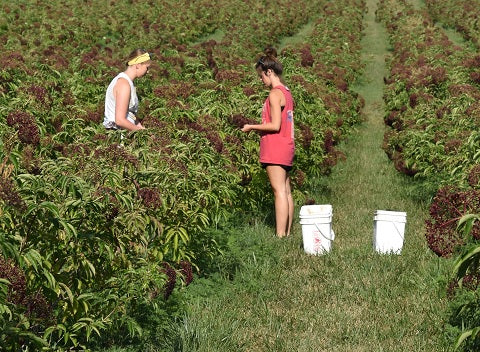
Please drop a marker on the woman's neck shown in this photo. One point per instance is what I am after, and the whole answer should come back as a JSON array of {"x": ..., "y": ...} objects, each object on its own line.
[
  {"x": 276, "y": 82},
  {"x": 130, "y": 72}
]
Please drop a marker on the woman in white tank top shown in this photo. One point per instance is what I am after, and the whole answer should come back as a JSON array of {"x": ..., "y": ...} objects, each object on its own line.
[{"x": 121, "y": 101}]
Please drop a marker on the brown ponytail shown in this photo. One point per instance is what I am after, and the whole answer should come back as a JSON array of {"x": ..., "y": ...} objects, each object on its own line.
[{"x": 269, "y": 61}]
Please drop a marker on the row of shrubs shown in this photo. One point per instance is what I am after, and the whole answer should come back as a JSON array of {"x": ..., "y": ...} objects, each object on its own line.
[{"x": 432, "y": 94}]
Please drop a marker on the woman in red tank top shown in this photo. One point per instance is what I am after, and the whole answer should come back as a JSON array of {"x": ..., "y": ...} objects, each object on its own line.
[{"x": 277, "y": 146}]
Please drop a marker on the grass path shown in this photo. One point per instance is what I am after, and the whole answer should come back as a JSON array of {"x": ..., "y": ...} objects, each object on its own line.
[{"x": 351, "y": 299}]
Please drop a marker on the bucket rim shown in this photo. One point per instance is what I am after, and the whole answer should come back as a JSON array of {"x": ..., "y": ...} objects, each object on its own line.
[
  {"x": 315, "y": 209},
  {"x": 390, "y": 219},
  {"x": 390, "y": 213}
]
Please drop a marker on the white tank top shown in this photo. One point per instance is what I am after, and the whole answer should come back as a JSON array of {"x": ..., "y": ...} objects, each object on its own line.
[{"x": 109, "y": 119}]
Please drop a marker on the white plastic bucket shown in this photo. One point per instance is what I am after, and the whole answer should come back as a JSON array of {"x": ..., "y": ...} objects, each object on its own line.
[
  {"x": 389, "y": 231},
  {"x": 317, "y": 233}
]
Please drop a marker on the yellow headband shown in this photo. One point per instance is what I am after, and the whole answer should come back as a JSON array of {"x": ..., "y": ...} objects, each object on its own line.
[{"x": 139, "y": 59}]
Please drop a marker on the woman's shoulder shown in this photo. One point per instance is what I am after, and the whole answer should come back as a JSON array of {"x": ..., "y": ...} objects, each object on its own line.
[
  {"x": 123, "y": 79},
  {"x": 278, "y": 90},
  {"x": 123, "y": 82}
]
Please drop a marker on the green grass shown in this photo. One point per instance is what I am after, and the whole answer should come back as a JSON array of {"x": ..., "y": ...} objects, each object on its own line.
[
  {"x": 351, "y": 299},
  {"x": 305, "y": 31},
  {"x": 217, "y": 35}
]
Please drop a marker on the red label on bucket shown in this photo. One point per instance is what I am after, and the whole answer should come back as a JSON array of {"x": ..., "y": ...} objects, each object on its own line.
[{"x": 317, "y": 242}]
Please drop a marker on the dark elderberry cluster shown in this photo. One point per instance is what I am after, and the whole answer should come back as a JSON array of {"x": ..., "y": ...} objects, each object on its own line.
[
  {"x": 401, "y": 166},
  {"x": 9, "y": 194},
  {"x": 12, "y": 60},
  {"x": 452, "y": 145},
  {"x": 95, "y": 115},
  {"x": 72, "y": 150},
  {"x": 212, "y": 64},
  {"x": 152, "y": 122},
  {"x": 328, "y": 141},
  {"x": 34, "y": 304},
  {"x": 231, "y": 76},
  {"x": 332, "y": 155},
  {"x": 340, "y": 79},
  {"x": 248, "y": 91},
  {"x": 306, "y": 135},
  {"x": 448, "y": 206},
  {"x": 442, "y": 111},
  {"x": 30, "y": 162},
  {"x": 474, "y": 176},
  {"x": 475, "y": 76},
  {"x": 116, "y": 153},
  {"x": 457, "y": 90},
  {"x": 175, "y": 90},
  {"x": 473, "y": 62},
  {"x": 171, "y": 280},
  {"x": 107, "y": 194},
  {"x": 24, "y": 123},
  {"x": 240, "y": 120},
  {"x": 470, "y": 282},
  {"x": 186, "y": 270},
  {"x": 308, "y": 86},
  {"x": 246, "y": 179},
  {"x": 333, "y": 103},
  {"x": 90, "y": 58},
  {"x": 394, "y": 120},
  {"x": 233, "y": 140},
  {"x": 415, "y": 98},
  {"x": 55, "y": 55},
  {"x": 208, "y": 129},
  {"x": 150, "y": 197},
  {"x": 40, "y": 94},
  {"x": 17, "y": 286},
  {"x": 307, "y": 59},
  {"x": 300, "y": 178}
]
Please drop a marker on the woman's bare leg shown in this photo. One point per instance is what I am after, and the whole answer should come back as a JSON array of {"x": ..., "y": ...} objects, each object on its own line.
[
  {"x": 280, "y": 183},
  {"x": 290, "y": 205}
]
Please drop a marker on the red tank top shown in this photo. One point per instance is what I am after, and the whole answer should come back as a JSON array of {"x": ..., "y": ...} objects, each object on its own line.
[{"x": 279, "y": 147}]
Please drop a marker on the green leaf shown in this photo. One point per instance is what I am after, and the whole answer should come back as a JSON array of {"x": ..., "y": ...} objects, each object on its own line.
[
  {"x": 467, "y": 221},
  {"x": 32, "y": 337},
  {"x": 466, "y": 260},
  {"x": 32, "y": 259},
  {"x": 51, "y": 207},
  {"x": 59, "y": 328},
  {"x": 4, "y": 309},
  {"x": 68, "y": 291},
  {"x": 52, "y": 283},
  {"x": 69, "y": 229},
  {"x": 465, "y": 335}
]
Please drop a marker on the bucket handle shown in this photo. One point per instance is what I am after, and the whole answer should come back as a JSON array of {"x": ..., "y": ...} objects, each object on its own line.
[
  {"x": 321, "y": 232},
  {"x": 396, "y": 228},
  {"x": 398, "y": 231}
]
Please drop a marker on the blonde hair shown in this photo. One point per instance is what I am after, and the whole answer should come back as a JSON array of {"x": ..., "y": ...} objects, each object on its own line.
[{"x": 134, "y": 54}]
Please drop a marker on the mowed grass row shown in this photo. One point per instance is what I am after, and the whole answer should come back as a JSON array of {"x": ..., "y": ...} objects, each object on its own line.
[{"x": 351, "y": 299}]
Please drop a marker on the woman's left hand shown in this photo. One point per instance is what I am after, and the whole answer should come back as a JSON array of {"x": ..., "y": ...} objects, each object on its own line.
[{"x": 246, "y": 128}]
